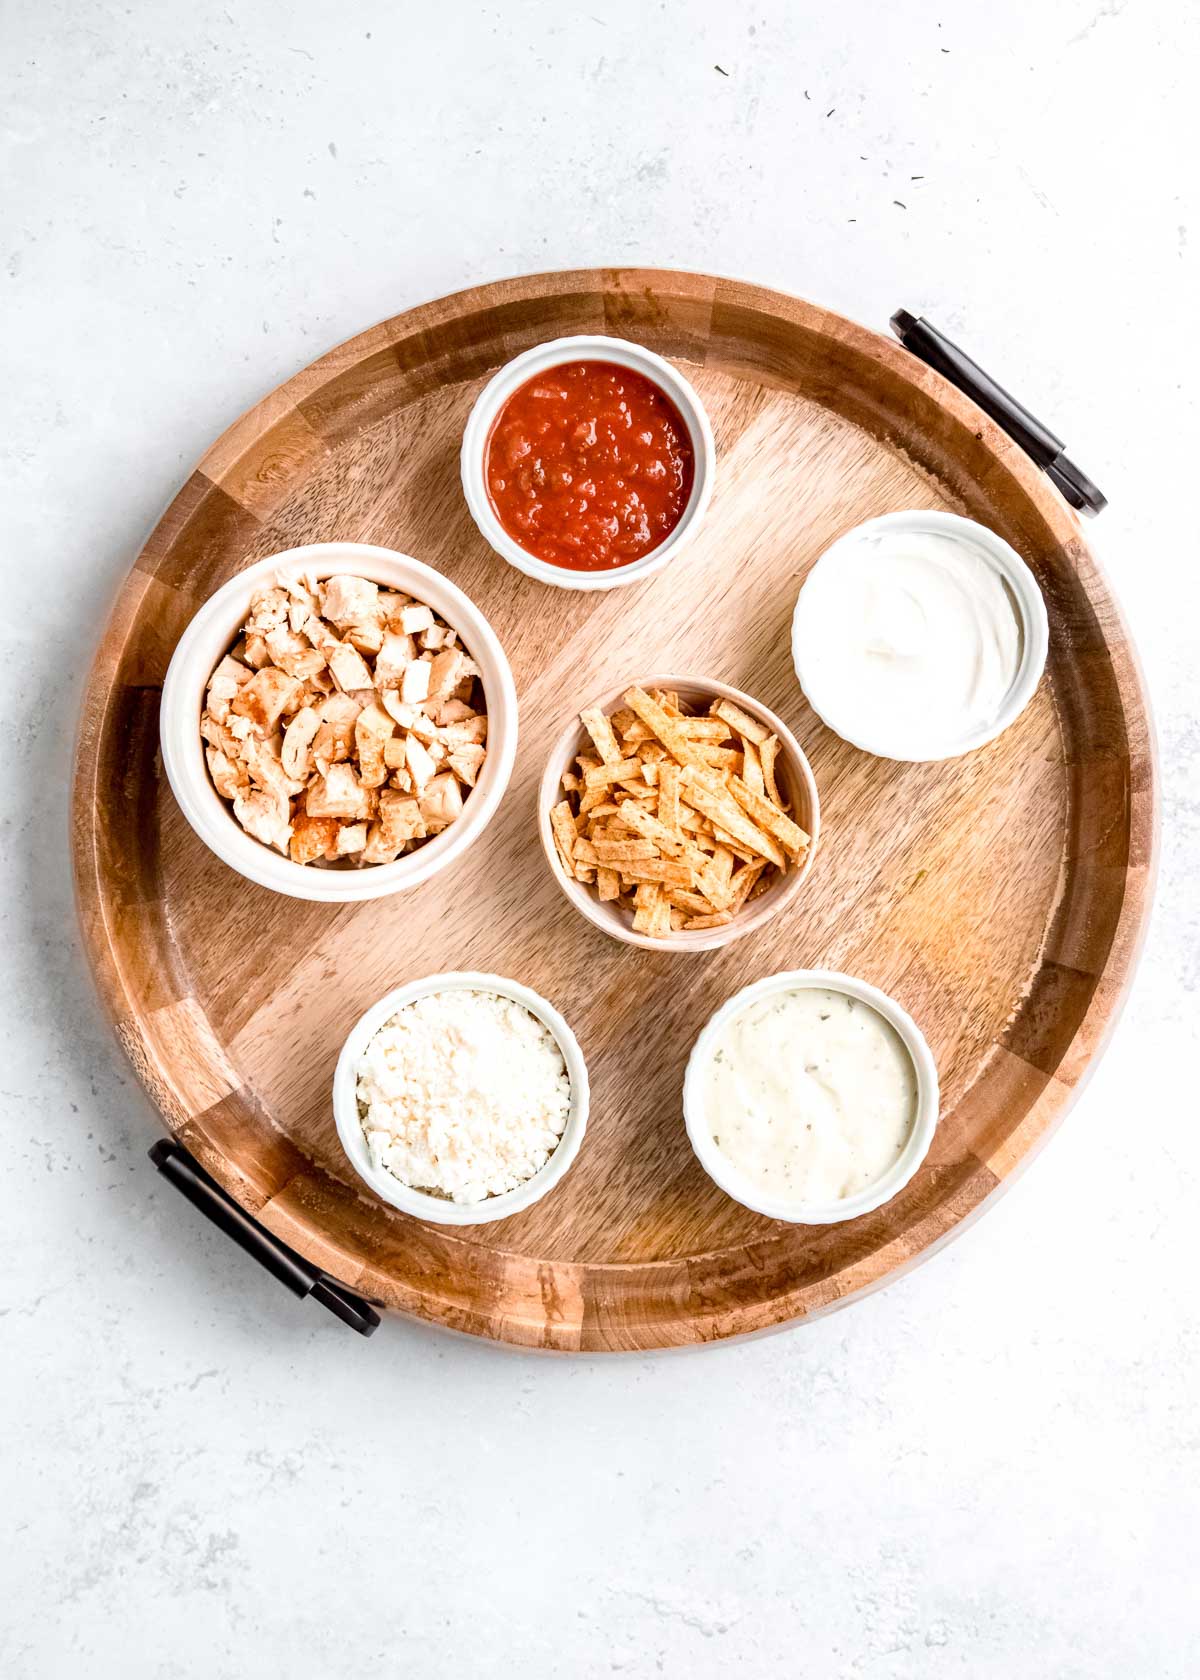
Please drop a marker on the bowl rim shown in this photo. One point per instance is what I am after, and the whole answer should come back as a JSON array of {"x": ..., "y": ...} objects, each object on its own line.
[
  {"x": 552, "y": 353},
  {"x": 726, "y": 1176},
  {"x": 418, "y": 1203},
  {"x": 1035, "y": 633},
  {"x": 701, "y": 939},
  {"x": 213, "y": 627}
]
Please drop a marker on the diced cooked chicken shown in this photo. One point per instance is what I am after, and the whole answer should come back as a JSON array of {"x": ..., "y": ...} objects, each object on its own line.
[
  {"x": 415, "y": 618},
  {"x": 395, "y": 655},
  {"x": 267, "y": 609},
  {"x": 337, "y": 793},
  {"x": 405, "y": 715},
  {"x": 418, "y": 762},
  {"x": 264, "y": 697},
  {"x": 373, "y": 728},
  {"x": 266, "y": 768},
  {"x": 298, "y": 738},
  {"x": 293, "y": 653},
  {"x": 451, "y": 711},
  {"x": 349, "y": 600},
  {"x": 367, "y": 638},
  {"x": 229, "y": 777},
  {"x": 400, "y": 818},
  {"x": 349, "y": 669},
  {"x": 414, "y": 684},
  {"x": 312, "y": 837},
  {"x": 265, "y": 816},
  {"x": 471, "y": 731},
  {"x": 444, "y": 672},
  {"x": 341, "y": 726},
  {"x": 377, "y": 849},
  {"x": 351, "y": 838},
  {"x": 466, "y": 763},
  {"x": 441, "y": 802},
  {"x": 319, "y": 633}
]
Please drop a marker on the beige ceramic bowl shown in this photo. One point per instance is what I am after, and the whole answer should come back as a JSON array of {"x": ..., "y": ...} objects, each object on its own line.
[{"x": 795, "y": 781}]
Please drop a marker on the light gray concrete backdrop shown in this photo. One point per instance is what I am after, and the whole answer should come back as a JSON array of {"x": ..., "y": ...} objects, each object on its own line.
[{"x": 989, "y": 1469}]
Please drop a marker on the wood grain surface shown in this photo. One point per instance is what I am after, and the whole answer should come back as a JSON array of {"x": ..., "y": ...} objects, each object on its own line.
[{"x": 999, "y": 897}]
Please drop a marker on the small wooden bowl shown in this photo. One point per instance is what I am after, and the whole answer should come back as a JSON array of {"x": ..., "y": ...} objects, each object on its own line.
[{"x": 792, "y": 773}]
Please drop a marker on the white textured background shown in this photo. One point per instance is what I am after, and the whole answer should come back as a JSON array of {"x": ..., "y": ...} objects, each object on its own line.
[{"x": 990, "y": 1469}]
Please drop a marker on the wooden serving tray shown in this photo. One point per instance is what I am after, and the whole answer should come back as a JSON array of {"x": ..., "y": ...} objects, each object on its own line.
[{"x": 999, "y": 897}]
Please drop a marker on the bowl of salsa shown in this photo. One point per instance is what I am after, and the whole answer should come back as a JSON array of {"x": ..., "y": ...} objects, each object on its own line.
[{"x": 588, "y": 462}]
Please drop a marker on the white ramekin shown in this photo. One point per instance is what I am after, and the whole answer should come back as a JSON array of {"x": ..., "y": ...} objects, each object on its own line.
[
  {"x": 1030, "y": 605},
  {"x": 734, "y": 1184},
  {"x": 213, "y": 631},
  {"x": 791, "y": 768},
  {"x": 589, "y": 348},
  {"x": 437, "y": 1209}
]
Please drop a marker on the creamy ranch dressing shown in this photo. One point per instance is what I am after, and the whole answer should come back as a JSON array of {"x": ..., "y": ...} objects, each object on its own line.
[
  {"x": 911, "y": 638},
  {"x": 810, "y": 1094}
]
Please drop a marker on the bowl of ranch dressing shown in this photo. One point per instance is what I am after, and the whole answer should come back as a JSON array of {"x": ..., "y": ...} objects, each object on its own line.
[
  {"x": 811, "y": 1096},
  {"x": 919, "y": 636}
]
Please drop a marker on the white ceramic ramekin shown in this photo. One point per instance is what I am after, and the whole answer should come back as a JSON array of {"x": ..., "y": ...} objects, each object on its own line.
[
  {"x": 438, "y": 1209},
  {"x": 590, "y": 348},
  {"x": 1026, "y": 594},
  {"x": 792, "y": 772},
  {"x": 212, "y": 633},
  {"x": 724, "y": 1173}
]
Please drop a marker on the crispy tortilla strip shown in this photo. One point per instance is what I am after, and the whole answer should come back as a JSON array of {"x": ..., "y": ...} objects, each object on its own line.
[
  {"x": 693, "y": 902},
  {"x": 701, "y": 789},
  {"x": 723, "y": 759},
  {"x": 608, "y": 884},
  {"x": 601, "y": 731},
  {"x": 719, "y": 918},
  {"x": 677, "y": 845},
  {"x": 586, "y": 873},
  {"x": 735, "y": 846},
  {"x": 768, "y": 752},
  {"x": 660, "y": 918},
  {"x": 604, "y": 775},
  {"x": 650, "y": 774},
  {"x": 623, "y": 720},
  {"x": 714, "y": 882},
  {"x": 589, "y": 798},
  {"x": 746, "y": 879},
  {"x": 664, "y": 726},
  {"x": 621, "y": 851},
  {"x": 747, "y": 727},
  {"x": 661, "y": 871},
  {"x": 562, "y": 824},
  {"x": 714, "y": 731},
  {"x": 668, "y": 796},
  {"x": 752, "y": 772},
  {"x": 646, "y": 900},
  {"x": 789, "y": 834},
  {"x": 583, "y": 851}
]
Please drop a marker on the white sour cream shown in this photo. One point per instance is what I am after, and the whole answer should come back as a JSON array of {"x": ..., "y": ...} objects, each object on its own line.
[
  {"x": 908, "y": 641},
  {"x": 810, "y": 1095}
]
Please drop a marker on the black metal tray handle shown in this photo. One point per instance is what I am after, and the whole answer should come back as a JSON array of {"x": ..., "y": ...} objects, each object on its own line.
[
  {"x": 295, "y": 1273},
  {"x": 1038, "y": 441}
]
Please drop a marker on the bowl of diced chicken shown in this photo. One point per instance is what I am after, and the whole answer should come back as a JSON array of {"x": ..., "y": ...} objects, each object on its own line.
[{"x": 338, "y": 722}]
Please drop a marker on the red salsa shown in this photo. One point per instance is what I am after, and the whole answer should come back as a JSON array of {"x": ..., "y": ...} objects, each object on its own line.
[{"x": 589, "y": 466}]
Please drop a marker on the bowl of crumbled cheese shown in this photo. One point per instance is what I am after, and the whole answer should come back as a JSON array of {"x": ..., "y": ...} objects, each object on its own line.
[{"x": 461, "y": 1098}]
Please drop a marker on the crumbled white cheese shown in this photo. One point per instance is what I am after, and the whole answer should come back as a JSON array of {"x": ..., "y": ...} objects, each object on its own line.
[{"x": 465, "y": 1094}]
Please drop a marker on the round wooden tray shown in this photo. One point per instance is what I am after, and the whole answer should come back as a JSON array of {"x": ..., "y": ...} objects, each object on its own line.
[{"x": 999, "y": 897}]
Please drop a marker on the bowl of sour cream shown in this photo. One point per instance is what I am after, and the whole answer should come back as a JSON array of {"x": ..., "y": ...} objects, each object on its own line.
[
  {"x": 919, "y": 636},
  {"x": 811, "y": 1096}
]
